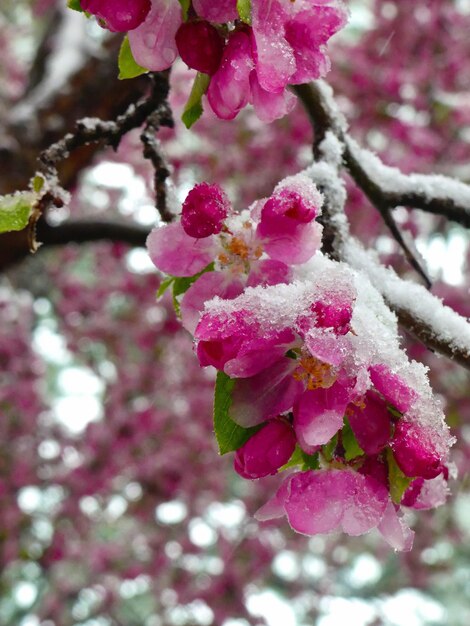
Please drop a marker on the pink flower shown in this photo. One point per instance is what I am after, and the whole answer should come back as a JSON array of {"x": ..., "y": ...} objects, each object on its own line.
[
  {"x": 287, "y": 225},
  {"x": 235, "y": 345},
  {"x": 118, "y": 15},
  {"x": 266, "y": 451},
  {"x": 290, "y": 39},
  {"x": 210, "y": 232},
  {"x": 204, "y": 211},
  {"x": 322, "y": 501}
]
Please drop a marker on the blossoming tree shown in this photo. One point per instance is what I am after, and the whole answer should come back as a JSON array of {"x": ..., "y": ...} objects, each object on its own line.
[{"x": 284, "y": 241}]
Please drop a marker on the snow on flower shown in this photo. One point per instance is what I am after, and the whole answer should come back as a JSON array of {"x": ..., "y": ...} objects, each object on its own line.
[
  {"x": 247, "y": 249},
  {"x": 314, "y": 362},
  {"x": 324, "y": 355}
]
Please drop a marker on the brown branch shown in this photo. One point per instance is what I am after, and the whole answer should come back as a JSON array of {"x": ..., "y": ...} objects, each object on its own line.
[
  {"x": 153, "y": 152},
  {"x": 79, "y": 232},
  {"x": 422, "y": 332},
  {"x": 94, "y": 130},
  {"x": 82, "y": 231}
]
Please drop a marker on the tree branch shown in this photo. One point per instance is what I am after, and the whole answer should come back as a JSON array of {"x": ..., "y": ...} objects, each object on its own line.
[
  {"x": 90, "y": 231},
  {"x": 420, "y": 313},
  {"x": 386, "y": 187}
]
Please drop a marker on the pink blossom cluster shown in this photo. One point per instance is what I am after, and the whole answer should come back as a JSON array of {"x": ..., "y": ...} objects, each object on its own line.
[
  {"x": 250, "y": 57},
  {"x": 315, "y": 359},
  {"x": 232, "y": 251}
]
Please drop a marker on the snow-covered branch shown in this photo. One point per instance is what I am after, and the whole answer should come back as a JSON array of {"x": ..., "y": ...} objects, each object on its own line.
[
  {"x": 420, "y": 312},
  {"x": 386, "y": 187}
]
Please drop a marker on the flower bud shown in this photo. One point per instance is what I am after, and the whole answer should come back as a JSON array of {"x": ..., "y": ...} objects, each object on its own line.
[
  {"x": 204, "y": 210},
  {"x": 118, "y": 15},
  {"x": 414, "y": 451},
  {"x": 268, "y": 450},
  {"x": 200, "y": 46}
]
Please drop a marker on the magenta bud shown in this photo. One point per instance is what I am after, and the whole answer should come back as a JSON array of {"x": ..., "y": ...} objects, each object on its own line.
[
  {"x": 200, "y": 46},
  {"x": 268, "y": 450},
  {"x": 118, "y": 15},
  {"x": 204, "y": 210},
  {"x": 414, "y": 451}
]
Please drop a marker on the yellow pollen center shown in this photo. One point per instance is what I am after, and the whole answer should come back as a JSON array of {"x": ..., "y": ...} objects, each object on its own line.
[
  {"x": 315, "y": 373},
  {"x": 238, "y": 247}
]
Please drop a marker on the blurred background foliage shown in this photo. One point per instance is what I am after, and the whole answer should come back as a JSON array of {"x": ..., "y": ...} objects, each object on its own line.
[{"x": 115, "y": 508}]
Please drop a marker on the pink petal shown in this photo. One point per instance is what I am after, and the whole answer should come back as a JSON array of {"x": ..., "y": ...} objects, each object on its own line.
[
  {"x": 269, "y": 272},
  {"x": 307, "y": 33},
  {"x": 321, "y": 501},
  {"x": 256, "y": 356},
  {"x": 229, "y": 89},
  {"x": 269, "y": 105},
  {"x": 365, "y": 502},
  {"x": 205, "y": 288},
  {"x": 426, "y": 494},
  {"x": 173, "y": 252},
  {"x": 220, "y": 11},
  {"x": 414, "y": 450},
  {"x": 295, "y": 247},
  {"x": 153, "y": 42},
  {"x": 274, "y": 507},
  {"x": 395, "y": 531},
  {"x": 393, "y": 388},
  {"x": 274, "y": 56},
  {"x": 371, "y": 423},
  {"x": 233, "y": 343},
  {"x": 315, "y": 503},
  {"x": 326, "y": 346},
  {"x": 265, "y": 395},
  {"x": 318, "y": 415}
]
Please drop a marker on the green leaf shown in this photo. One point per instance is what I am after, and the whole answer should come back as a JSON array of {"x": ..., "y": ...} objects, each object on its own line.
[
  {"x": 38, "y": 183},
  {"x": 244, "y": 10},
  {"x": 15, "y": 210},
  {"x": 193, "y": 109},
  {"x": 183, "y": 283},
  {"x": 164, "y": 285},
  {"x": 230, "y": 436},
  {"x": 398, "y": 482},
  {"x": 329, "y": 449},
  {"x": 351, "y": 447},
  {"x": 310, "y": 461},
  {"x": 74, "y": 5},
  {"x": 296, "y": 459},
  {"x": 128, "y": 66},
  {"x": 185, "y": 4},
  {"x": 302, "y": 459}
]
